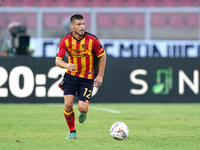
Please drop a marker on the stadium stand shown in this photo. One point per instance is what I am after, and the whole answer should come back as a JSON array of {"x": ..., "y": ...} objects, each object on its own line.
[
  {"x": 65, "y": 16},
  {"x": 27, "y": 3},
  {"x": 116, "y": 3},
  {"x": 80, "y": 3},
  {"x": 187, "y": 3},
  {"x": 192, "y": 20},
  {"x": 169, "y": 3},
  {"x": 87, "y": 18},
  {"x": 46, "y": 3},
  {"x": 15, "y": 17},
  {"x": 30, "y": 20},
  {"x": 61, "y": 3},
  {"x": 105, "y": 20},
  {"x": 151, "y": 3},
  {"x": 158, "y": 20},
  {"x": 122, "y": 20},
  {"x": 9, "y": 3},
  {"x": 176, "y": 20},
  {"x": 134, "y": 3},
  {"x": 138, "y": 20},
  {"x": 198, "y": 2},
  {"x": 51, "y": 20},
  {"x": 98, "y": 3},
  {"x": 3, "y": 21}
]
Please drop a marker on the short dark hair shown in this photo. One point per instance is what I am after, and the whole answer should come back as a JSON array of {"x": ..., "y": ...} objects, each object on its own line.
[{"x": 76, "y": 17}]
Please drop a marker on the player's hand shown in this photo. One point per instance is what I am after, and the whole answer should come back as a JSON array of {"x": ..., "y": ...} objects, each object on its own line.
[
  {"x": 71, "y": 67},
  {"x": 98, "y": 81}
]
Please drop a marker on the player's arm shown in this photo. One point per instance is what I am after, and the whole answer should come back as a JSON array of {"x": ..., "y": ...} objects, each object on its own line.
[
  {"x": 102, "y": 64},
  {"x": 100, "y": 52},
  {"x": 60, "y": 55},
  {"x": 60, "y": 63}
]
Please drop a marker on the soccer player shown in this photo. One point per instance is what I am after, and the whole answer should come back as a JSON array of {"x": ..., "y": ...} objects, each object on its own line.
[{"x": 86, "y": 56}]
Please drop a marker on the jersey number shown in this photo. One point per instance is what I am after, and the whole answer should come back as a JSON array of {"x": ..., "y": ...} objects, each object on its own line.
[{"x": 86, "y": 91}]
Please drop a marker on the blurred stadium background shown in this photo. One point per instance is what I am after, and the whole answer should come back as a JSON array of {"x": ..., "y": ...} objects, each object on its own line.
[{"x": 121, "y": 19}]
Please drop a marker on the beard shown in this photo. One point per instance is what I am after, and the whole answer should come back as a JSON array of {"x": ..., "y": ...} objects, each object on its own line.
[{"x": 80, "y": 33}]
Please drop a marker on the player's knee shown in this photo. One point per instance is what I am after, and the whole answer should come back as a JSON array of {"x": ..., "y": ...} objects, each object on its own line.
[
  {"x": 68, "y": 105},
  {"x": 83, "y": 108}
]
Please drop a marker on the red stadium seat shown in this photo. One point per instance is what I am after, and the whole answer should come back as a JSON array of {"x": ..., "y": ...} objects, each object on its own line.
[
  {"x": 122, "y": 20},
  {"x": 31, "y": 20},
  {"x": 139, "y": 20},
  {"x": 98, "y": 3},
  {"x": 65, "y": 19},
  {"x": 134, "y": 3},
  {"x": 3, "y": 21},
  {"x": 176, "y": 20},
  {"x": 158, "y": 20},
  {"x": 116, "y": 3},
  {"x": 169, "y": 3},
  {"x": 87, "y": 18},
  {"x": 46, "y": 3},
  {"x": 80, "y": 3},
  {"x": 51, "y": 20},
  {"x": 62, "y": 3},
  {"x": 198, "y": 2},
  {"x": 187, "y": 3},
  {"x": 104, "y": 20},
  {"x": 27, "y": 3},
  {"x": 9, "y": 3},
  {"x": 192, "y": 20},
  {"x": 151, "y": 3},
  {"x": 15, "y": 17},
  {"x": 65, "y": 16}
]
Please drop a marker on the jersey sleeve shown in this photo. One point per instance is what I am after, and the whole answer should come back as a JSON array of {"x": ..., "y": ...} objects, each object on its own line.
[
  {"x": 61, "y": 49},
  {"x": 98, "y": 48}
]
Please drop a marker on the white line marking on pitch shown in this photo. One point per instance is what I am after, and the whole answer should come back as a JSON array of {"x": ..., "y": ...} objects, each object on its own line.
[
  {"x": 94, "y": 108},
  {"x": 106, "y": 109},
  {"x": 150, "y": 112}
]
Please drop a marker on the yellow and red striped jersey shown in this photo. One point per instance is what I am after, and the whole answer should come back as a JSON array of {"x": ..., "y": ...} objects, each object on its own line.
[{"x": 81, "y": 53}]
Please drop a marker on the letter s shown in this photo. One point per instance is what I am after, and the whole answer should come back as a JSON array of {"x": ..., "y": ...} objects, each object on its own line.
[{"x": 138, "y": 81}]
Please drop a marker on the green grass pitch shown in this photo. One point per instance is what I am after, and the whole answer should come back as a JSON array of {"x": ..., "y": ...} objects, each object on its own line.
[{"x": 151, "y": 127}]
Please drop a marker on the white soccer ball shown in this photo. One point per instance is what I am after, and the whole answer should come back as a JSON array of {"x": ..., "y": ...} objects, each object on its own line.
[{"x": 119, "y": 131}]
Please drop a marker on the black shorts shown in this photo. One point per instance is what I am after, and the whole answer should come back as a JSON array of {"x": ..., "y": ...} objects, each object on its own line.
[{"x": 72, "y": 85}]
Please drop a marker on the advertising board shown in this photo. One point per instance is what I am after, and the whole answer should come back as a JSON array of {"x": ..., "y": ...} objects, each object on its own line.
[{"x": 133, "y": 80}]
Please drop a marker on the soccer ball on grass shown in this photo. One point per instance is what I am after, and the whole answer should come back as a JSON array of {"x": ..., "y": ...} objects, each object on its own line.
[{"x": 119, "y": 131}]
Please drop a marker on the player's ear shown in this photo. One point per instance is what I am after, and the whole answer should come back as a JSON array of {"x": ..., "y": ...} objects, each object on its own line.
[{"x": 71, "y": 26}]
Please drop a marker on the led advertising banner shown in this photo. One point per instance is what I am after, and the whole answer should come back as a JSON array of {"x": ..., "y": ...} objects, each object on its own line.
[
  {"x": 161, "y": 80},
  {"x": 127, "y": 48},
  {"x": 126, "y": 80},
  {"x": 25, "y": 79}
]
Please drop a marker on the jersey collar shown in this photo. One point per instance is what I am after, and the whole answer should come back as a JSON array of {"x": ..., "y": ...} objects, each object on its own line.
[{"x": 77, "y": 39}]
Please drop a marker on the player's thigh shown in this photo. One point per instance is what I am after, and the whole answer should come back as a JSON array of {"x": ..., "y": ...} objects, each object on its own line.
[{"x": 85, "y": 90}]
